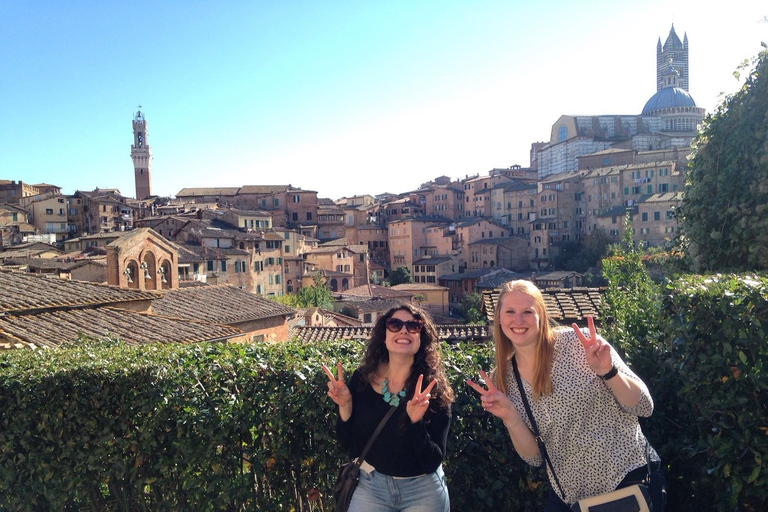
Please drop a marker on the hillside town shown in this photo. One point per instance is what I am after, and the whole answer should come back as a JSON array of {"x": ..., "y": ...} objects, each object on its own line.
[{"x": 216, "y": 255}]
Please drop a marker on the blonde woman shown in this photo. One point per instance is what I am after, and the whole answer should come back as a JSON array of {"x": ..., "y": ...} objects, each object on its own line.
[{"x": 584, "y": 399}]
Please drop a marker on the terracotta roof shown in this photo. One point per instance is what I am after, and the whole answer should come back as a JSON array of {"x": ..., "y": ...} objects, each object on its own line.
[
  {"x": 564, "y": 305},
  {"x": 54, "y": 328},
  {"x": 265, "y": 189},
  {"x": 375, "y": 290},
  {"x": 24, "y": 293},
  {"x": 49, "y": 263},
  {"x": 449, "y": 333},
  {"x": 25, "y": 253},
  {"x": 211, "y": 191},
  {"x": 373, "y": 304},
  {"x": 223, "y": 304},
  {"x": 418, "y": 286},
  {"x": 496, "y": 278},
  {"x": 434, "y": 260}
]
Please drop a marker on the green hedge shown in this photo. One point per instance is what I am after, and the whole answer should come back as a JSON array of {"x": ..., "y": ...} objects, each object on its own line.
[
  {"x": 711, "y": 392},
  {"x": 103, "y": 426}
]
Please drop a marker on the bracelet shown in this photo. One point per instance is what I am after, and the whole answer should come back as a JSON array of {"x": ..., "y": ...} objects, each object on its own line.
[
  {"x": 611, "y": 373},
  {"x": 519, "y": 419}
]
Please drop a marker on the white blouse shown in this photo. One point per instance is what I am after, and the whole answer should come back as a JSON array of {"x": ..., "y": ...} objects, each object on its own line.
[{"x": 592, "y": 439}]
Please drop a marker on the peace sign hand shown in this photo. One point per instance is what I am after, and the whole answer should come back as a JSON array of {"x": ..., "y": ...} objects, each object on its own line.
[
  {"x": 339, "y": 392},
  {"x": 495, "y": 402},
  {"x": 598, "y": 350},
  {"x": 418, "y": 405}
]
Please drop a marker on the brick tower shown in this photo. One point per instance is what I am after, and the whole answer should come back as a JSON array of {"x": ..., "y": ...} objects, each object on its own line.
[{"x": 141, "y": 154}]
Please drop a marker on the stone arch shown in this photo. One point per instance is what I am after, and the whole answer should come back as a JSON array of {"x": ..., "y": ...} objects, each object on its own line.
[
  {"x": 334, "y": 285},
  {"x": 131, "y": 274},
  {"x": 149, "y": 272},
  {"x": 165, "y": 275}
]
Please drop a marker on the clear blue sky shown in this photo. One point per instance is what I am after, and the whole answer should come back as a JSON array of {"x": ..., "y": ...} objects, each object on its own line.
[{"x": 341, "y": 97}]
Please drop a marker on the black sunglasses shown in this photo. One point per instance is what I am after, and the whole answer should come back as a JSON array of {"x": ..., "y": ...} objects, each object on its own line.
[{"x": 412, "y": 326}]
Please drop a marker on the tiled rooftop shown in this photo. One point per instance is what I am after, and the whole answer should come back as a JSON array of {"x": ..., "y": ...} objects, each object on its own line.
[
  {"x": 221, "y": 304},
  {"x": 375, "y": 290},
  {"x": 373, "y": 305},
  {"x": 53, "y": 328},
  {"x": 449, "y": 333},
  {"x": 49, "y": 263},
  {"x": 23, "y": 292},
  {"x": 564, "y": 305}
]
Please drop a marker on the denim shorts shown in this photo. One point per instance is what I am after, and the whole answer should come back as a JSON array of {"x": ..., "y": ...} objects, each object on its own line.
[{"x": 382, "y": 493}]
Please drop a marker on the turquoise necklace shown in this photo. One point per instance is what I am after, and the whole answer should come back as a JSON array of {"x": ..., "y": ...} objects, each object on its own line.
[{"x": 391, "y": 399}]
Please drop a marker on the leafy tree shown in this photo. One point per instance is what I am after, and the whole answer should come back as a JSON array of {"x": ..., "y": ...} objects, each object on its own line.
[
  {"x": 316, "y": 296},
  {"x": 400, "y": 275},
  {"x": 470, "y": 308},
  {"x": 725, "y": 209},
  {"x": 632, "y": 302}
]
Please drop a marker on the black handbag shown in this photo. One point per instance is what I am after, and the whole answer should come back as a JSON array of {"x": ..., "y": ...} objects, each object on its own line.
[
  {"x": 634, "y": 498},
  {"x": 349, "y": 473}
]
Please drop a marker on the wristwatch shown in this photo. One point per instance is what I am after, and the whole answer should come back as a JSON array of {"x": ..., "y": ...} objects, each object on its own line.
[{"x": 611, "y": 373}]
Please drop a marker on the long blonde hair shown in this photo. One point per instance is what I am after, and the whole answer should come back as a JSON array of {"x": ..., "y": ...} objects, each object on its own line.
[{"x": 542, "y": 384}]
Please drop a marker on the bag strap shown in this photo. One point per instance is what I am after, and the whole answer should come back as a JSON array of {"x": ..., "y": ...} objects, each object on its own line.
[
  {"x": 375, "y": 434},
  {"x": 536, "y": 434}
]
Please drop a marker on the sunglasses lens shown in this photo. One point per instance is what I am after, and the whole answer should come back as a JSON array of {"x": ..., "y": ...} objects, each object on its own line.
[
  {"x": 413, "y": 326},
  {"x": 395, "y": 324}
]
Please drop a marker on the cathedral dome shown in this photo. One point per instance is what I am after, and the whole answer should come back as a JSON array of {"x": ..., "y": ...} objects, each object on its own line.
[{"x": 669, "y": 97}]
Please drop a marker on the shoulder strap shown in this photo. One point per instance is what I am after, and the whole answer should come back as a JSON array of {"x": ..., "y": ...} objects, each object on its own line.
[
  {"x": 375, "y": 434},
  {"x": 539, "y": 440}
]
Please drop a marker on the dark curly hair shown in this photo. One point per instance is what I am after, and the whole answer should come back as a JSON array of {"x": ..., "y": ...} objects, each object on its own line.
[{"x": 426, "y": 361}]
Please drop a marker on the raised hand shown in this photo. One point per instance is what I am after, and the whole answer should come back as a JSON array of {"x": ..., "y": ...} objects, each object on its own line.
[
  {"x": 339, "y": 392},
  {"x": 597, "y": 349},
  {"x": 495, "y": 402},
  {"x": 418, "y": 405}
]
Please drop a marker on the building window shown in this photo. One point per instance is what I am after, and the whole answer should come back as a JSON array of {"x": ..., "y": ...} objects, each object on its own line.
[
  {"x": 224, "y": 266},
  {"x": 210, "y": 266},
  {"x": 656, "y": 215}
]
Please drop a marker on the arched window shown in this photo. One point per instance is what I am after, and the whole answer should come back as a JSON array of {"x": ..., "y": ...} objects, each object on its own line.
[{"x": 562, "y": 133}]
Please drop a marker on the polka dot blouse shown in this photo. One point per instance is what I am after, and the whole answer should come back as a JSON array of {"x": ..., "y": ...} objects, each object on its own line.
[{"x": 592, "y": 440}]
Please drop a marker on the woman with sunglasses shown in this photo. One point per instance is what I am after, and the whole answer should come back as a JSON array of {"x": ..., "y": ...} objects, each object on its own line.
[{"x": 401, "y": 368}]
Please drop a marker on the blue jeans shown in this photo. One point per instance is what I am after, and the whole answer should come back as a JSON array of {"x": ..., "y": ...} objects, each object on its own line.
[{"x": 381, "y": 493}]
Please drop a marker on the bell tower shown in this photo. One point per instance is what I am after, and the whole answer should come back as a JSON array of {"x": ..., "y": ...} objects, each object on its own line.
[{"x": 141, "y": 154}]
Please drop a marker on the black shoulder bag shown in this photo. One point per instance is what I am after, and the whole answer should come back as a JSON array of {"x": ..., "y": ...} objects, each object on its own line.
[
  {"x": 634, "y": 498},
  {"x": 349, "y": 473}
]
